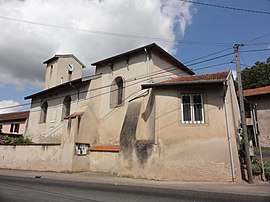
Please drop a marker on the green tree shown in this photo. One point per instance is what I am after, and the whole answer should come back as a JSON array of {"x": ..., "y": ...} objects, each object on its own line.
[{"x": 256, "y": 76}]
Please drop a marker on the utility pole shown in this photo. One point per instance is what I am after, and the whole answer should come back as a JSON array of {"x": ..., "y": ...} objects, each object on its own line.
[{"x": 242, "y": 113}]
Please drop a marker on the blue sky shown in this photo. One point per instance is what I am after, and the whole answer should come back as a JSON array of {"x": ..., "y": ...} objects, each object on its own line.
[
  {"x": 26, "y": 46},
  {"x": 228, "y": 26}
]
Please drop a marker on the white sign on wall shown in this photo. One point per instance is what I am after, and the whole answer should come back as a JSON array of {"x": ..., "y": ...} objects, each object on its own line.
[{"x": 81, "y": 149}]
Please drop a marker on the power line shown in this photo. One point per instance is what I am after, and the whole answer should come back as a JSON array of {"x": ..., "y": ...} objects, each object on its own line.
[
  {"x": 257, "y": 44},
  {"x": 226, "y": 7},
  {"x": 14, "y": 106},
  {"x": 114, "y": 34},
  {"x": 259, "y": 37},
  {"x": 137, "y": 78},
  {"x": 161, "y": 71},
  {"x": 225, "y": 55},
  {"x": 256, "y": 50},
  {"x": 205, "y": 56},
  {"x": 242, "y": 64},
  {"x": 169, "y": 69},
  {"x": 130, "y": 80},
  {"x": 207, "y": 67},
  {"x": 245, "y": 43}
]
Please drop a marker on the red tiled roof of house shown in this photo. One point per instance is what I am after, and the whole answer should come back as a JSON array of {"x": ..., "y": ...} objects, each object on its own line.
[
  {"x": 105, "y": 148},
  {"x": 14, "y": 116},
  {"x": 219, "y": 76},
  {"x": 257, "y": 91},
  {"x": 73, "y": 115}
]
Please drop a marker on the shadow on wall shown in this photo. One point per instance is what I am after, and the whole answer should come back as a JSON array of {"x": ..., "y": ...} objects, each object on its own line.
[
  {"x": 144, "y": 149},
  {"x": 128, "y": 141}
]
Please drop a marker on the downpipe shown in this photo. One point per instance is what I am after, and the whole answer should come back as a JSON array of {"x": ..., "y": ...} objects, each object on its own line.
[{"x": 228, "y": 133}]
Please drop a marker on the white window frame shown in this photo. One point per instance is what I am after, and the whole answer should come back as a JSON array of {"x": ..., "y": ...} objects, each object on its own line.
[
  {"x": 192, "y": 121},
  {"x": 13, "y": 127}
]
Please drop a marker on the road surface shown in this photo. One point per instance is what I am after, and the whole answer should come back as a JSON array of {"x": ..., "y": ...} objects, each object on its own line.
[{"x": 41, "y": 189}]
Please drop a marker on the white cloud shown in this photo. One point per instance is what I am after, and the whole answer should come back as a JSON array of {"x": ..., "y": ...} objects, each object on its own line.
[
  {"x": 5, "y": 104},
  {"x": 23, "y": 47}
]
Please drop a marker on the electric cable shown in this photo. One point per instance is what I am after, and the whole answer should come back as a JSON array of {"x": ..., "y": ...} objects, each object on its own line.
[
  {"x": 225, "y": 55},
  {"x": 130, "y": 80},
  {"x": 256, "y": 50},
  {"x": 205, "y": 56},
  {"x": 226, "y": 7},
  {"x": 114, "y": 34}
]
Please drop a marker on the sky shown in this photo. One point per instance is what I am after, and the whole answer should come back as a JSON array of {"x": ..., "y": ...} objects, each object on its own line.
[{"x": 33, "y": 31}]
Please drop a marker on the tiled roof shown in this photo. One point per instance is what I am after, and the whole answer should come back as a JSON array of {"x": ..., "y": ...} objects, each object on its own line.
[
  {"x": 257, "y": 91},
  {"x": 105, "y": 148},
  {"x": 14, "y": 116},
  {"x": 219, "y": 76},
  {"x": 74, "y": 115}
]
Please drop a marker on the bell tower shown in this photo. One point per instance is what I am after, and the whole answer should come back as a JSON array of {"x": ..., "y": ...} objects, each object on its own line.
[{"x": 61, "y": 69}]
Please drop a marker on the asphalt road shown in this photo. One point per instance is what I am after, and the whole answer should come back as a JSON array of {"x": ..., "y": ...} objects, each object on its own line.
[{"x": 40, "y": 189}]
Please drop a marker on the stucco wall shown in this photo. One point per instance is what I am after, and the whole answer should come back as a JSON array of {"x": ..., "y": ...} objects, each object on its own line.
[
  {"x": 194, "y": 151},
  {"x": 134, "y": 72},
  {"x": 162, "y": 69},
  {"x": 155, "y": 144},
  {"x": 32, "y": 157},
  {"x": 48, "y": 157},
  {"x": 263, "y": 117},
  {"x": 51, "y": 130},
  {"x": 186, "y": 152},
  {"x": 263, "y": 113},
  {"x": 107, "y": 162}
]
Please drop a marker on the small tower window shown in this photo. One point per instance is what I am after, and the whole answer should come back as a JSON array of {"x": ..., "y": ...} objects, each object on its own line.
[
  {"x": 43, "y": 113},
  {"x": 117, "y": 93},
  {"x": 66, "y": 106}
]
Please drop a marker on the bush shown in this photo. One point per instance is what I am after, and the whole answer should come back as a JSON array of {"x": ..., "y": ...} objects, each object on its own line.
[
  {"x": 256, "y": 167},
  {"x": 22, "y": 140},
  {"x": 6, "y": 139},
  {"x": 267, "y": 170}
]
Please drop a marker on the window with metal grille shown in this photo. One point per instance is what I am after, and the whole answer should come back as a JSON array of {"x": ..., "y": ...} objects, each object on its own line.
[{"x": 192, "y": 108}]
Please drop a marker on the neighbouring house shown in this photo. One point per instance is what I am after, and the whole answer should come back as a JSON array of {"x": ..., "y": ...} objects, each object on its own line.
[
  {"x": 143, "y": 114},
  {"x": 14, "y": 123},
  {"x": 257, "y": 106}
]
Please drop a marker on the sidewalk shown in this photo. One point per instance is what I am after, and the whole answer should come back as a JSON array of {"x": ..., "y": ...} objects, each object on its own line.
[{"x": 243, "y": 188}]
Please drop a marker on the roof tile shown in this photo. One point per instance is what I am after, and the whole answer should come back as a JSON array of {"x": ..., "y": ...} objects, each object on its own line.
[
  {"x": 105, "y": 148},
  {"x": 219, "y": 76},
  {"x": 257, "y": 91},
  {"x": 14, "y": 116}
]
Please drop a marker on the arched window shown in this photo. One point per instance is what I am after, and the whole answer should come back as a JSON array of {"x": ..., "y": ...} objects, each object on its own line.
[
  {"x": 43, "y": 113},
  {"x": 117, "y": 93},
  {"x": 66, "y": 106}
]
